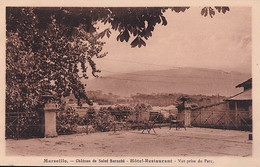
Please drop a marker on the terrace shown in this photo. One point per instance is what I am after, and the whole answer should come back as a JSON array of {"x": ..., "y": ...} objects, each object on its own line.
[{"x": 193, "y": 142}]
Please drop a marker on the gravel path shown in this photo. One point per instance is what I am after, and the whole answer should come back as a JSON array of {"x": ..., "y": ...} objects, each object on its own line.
[{"x": 193, "y": 142}]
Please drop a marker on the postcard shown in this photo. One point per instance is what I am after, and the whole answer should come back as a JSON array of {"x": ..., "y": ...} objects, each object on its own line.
[{"x": 129, "y": 83}]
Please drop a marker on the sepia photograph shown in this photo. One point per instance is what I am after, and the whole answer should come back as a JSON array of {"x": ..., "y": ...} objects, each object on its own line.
[{"x": 148, "y": 83}]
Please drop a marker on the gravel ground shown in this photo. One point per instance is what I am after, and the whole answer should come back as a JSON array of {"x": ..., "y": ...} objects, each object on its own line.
[{"x": 192, "y": 142}]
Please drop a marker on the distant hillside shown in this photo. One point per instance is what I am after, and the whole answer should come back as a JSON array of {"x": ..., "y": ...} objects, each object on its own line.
[{"x": 191, "y": 81}]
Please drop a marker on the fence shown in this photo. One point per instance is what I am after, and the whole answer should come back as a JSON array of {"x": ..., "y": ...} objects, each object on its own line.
[
  {"x": 224, "y": 119},
  {"x": 23, "y": 125}
]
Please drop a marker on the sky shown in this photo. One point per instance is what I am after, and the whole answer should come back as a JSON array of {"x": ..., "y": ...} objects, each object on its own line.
[{"x": 189, "y": 40}]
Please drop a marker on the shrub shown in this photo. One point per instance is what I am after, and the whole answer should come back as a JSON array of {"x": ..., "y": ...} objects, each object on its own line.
[
  {"x": 67, "y": 121},
  {"x": 103, "y": 122}
]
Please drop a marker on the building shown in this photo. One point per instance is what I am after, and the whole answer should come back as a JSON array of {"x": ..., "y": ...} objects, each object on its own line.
[
  {"x": 241, "y": 104},
  {"x": 234, "y": 112},
  {"x": 242, "y": 101}
]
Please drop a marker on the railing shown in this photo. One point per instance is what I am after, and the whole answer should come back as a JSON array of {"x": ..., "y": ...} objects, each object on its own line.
[
  {"x": 240, "y": 120},
  {"x": 23, "y": 125}
]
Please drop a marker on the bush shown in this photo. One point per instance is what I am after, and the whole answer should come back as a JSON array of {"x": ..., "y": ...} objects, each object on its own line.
[
  {"x": 67, "y": 121},
  {"x": 103, "y": 122}
]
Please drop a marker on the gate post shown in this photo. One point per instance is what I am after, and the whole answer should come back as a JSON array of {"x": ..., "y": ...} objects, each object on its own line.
[
  {"x": 187, "y": 116},
  {"x": 184, "y": 111},
  {"x": 50, "y": 109},
  {"x": 50, "y": 120}
]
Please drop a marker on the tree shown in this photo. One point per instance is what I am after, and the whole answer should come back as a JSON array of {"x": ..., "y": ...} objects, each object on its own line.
[
  {"x": 50, "y": 49},
  {"x": 46, "y": 59}
]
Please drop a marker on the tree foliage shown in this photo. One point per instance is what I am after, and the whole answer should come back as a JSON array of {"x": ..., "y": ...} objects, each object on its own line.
[
  {"x": 46, "y": 57},
  {"x": 50, "y": 49}
]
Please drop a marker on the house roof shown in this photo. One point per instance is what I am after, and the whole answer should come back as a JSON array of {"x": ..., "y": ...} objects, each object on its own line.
[
  {"x": 246, "y": 95},
  {"x": 247, "y": 83}
]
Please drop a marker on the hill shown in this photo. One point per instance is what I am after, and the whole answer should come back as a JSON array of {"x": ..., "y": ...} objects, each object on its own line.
[{"x": 193, "y": 81}]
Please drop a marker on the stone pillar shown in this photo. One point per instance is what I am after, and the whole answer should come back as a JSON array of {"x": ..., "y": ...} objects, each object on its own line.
[
  {"x": 50, "y": 120},
  {"x": 185, "y": 112},
  {"x": 187, "y": 120},
  {"x": 185, "y": 115}
]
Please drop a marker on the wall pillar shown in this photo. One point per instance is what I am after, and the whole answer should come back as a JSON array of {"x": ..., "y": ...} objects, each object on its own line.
[
  {"x": 50, "y": 120},
  {"x": 185, "y": 115}
]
